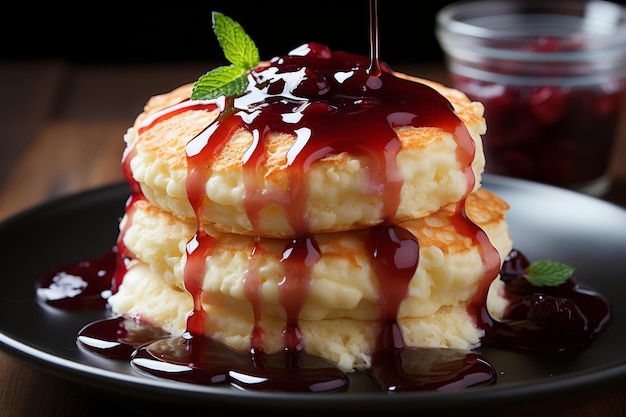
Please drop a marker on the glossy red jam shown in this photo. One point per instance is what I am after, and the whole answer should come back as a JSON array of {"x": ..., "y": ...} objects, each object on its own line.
[
  {"x": 550, "y": 122},
  {"x": 568, "y": 317},
  {"x": 329, "y": 92},
  {"x": 565, "y": 318},
  {"x": 556, "y": 135}
]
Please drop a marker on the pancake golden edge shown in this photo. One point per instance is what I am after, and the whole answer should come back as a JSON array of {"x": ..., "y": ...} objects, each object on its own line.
[
  {"x": 339, "y": 319},
  {"x": 340, "y": 197}
]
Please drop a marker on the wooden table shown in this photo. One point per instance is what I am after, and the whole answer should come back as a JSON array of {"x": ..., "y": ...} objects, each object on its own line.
[{"x": 61, "y": 130}]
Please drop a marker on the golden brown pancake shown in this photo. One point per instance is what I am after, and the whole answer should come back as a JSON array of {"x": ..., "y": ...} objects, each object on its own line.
[
  {"x": 340, "y": 195},
  {"x": 341, "y": 314}
]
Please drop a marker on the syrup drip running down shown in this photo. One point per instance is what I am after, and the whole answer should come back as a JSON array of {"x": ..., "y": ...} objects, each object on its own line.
[
  {"x": 330, "y": 102},
  {"x": 374, "y": 68}
]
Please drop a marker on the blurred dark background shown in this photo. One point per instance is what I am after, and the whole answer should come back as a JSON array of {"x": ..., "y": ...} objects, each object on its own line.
[{"x": 105, "y": 32}]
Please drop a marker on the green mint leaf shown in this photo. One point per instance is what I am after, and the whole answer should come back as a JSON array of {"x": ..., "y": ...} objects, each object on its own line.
[
  {"x": 238, "y": 47},
  {"x": 547, "y": 273},
  {"x": 221, "y": 81},
  {"x": 239, "y": 50}
]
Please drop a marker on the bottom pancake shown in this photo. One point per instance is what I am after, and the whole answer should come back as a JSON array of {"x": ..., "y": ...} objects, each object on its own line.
[{"x": 336, "y": 300}]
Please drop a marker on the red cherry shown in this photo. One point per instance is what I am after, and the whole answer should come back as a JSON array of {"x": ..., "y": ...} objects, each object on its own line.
[{"x": 547, "y": 104}]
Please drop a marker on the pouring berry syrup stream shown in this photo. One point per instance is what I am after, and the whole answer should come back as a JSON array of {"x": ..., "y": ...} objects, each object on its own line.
[{"x": 553, "y": 319}]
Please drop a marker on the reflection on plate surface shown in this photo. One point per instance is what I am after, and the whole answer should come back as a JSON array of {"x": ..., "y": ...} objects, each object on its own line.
[{"x": 545, "y": 222}]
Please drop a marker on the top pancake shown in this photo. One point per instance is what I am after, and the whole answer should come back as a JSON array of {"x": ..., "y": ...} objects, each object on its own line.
[{"x": 338, "y": 191}]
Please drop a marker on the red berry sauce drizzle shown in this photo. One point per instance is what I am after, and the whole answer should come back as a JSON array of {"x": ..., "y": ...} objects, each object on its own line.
[
  {"x": 566, "y": 317},
  {"x": 336, "y": 104}
]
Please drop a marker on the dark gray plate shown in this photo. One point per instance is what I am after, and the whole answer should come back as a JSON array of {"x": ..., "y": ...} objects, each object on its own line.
[{"x": 545, "y": 222}]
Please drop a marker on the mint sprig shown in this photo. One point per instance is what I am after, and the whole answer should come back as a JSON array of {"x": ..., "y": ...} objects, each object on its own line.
[
  {"x": 547, "y": 273},
  {"x": 240, "y": 50}
]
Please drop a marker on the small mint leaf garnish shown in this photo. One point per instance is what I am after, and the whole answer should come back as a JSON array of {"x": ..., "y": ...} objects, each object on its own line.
[
  {"x": 239, "y": 50},
  {"x": 547, "y": 273},
  {"x": 222, "y": 81}
]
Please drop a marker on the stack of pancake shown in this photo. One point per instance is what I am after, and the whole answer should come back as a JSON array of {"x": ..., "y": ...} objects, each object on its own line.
[{"x": 249, "y": 281}]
